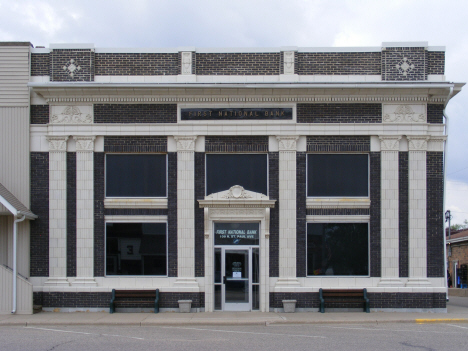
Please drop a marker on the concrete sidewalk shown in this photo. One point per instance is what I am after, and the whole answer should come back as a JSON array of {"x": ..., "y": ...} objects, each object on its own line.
[{"x": 457, "y": 311}]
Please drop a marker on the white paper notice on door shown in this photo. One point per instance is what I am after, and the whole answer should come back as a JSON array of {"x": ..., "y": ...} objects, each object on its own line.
[{"x": 237, "y": 274}]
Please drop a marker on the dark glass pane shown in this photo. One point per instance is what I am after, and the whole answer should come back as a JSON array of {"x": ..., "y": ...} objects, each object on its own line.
[
  {"x": 136, "y": 175},
  {"x": 255, "y": 266},
  {"x": 237, "y": 276},
  {"x": 337, "y": 175},
  {"x": 247, "y": 170},
  {"x": 255, "y": 297},
  {"x": 236, "y": 233},
  {"x": 217, "y": 277},
  {"x": 337, "y": 249},
  {"x": 136, "y": 249},
  {"x": 217, "y": 297}
]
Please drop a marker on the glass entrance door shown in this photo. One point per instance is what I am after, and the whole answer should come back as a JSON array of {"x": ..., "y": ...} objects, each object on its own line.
[{"x": 236, "y": 280}]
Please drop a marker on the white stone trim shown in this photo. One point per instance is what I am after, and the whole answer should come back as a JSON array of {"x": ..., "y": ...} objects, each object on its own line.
[
  {"x": 436, "y": 143},
  {"x": 390, "y": 143},
  {"x": 417, "y": 142},
  {"x": 71, "y": 114},
  {"x": 404, "y": 113},
  {"x": 328, "y": 203},
  {"x": 57, "y": 143},
  {"x": 337, "y": 218},
  {"x": 154, "y": 203},
  {"x": 288, "y": 58},
  {"x": 186, "y": 62},
  {"x": 135, "y": 219},
  {"x": 84, "y": 143}
]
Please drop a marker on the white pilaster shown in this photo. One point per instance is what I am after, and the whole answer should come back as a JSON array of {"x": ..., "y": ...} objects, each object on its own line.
[
  {"x": 186, "y": 211},
  {"x": 84, "y": 211},
  {"x": 417, "y": 146},
  {"x": 287, "y": 213},
  {"x": 57, "y": 211},
  {"x": 389, "y": 146}
]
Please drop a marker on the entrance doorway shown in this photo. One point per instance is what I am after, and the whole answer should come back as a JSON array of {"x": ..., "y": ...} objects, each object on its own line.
[{"x": 237, "y": 278}]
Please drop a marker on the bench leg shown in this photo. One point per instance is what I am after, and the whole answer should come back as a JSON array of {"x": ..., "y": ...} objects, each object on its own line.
[
  {"x": 111, "y": 308},
  {"x": 322, "y": 306}
]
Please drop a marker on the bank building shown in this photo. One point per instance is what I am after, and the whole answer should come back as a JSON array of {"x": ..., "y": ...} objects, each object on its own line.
[{"x": 235, "y": 178}]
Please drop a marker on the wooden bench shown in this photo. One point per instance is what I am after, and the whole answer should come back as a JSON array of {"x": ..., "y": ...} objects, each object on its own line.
[
  {"x": 344, "y": 296},
  {"x": 120, "y": 297}
]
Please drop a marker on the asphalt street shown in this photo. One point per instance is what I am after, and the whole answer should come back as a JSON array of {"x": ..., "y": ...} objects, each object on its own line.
[{"x": 388, "y": 336}]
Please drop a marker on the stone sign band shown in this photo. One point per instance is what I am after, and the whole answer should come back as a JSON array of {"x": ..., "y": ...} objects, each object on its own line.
[{"x": 199, "y": 114}]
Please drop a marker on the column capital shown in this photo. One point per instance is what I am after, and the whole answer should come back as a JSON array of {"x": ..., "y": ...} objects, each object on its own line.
[
  {"x": 287, "y": 142},
  {"x": 185, "y": 143},
  {"x": 84, "y": 143},
  {"x": 57, "y": 143},
  {"x": 389, "y": 142},
  {"x": 417, "y": 142}
]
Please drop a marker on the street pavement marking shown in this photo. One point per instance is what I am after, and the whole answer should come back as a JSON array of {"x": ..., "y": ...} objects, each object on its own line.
[
  {"x": 458, "y": 326},
  {"x": 440, "y": 320},
  {"x": 241, "y": 332},
  {"x": 75, "y": 332}
]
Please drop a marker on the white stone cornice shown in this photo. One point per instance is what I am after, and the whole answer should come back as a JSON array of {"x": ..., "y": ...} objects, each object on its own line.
[
  {"x": 185, "y": 143},
  {"x": 404, "y": 113},
  {"x": 57, "y": 143},
  {"x": 417, "y": 142},
  {"x": 84, "y": 143},
  {"x": 71, "y": 114},
  {"x": 389, "y": 143},
  {"x": 436, "y": 143},
  {"x": 287, "y": 142}
]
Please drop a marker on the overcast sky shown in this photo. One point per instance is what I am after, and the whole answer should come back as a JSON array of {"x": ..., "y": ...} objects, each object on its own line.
[{"x": 263, "y": 23}]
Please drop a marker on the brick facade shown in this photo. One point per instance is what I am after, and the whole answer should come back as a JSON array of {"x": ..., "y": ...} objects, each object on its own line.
[
  {"x": 71, "y": 214},
  {"x": 338, "y": 63},
  {"x": 238, "y": 64},
  {"x": 172, "y": 214},
  {"x": 80, "y": 61},
  {"x": 273, "y": 189},
  {"x": 140, "y": 144},
  {"x": 435, "y": 214},
  {"x": 137, "y": 64},
  {"x": 40, "y": 64},
  {"x": 375, "y": 214},
  {"x": 339, "y": 113},
  {"x": 39, "y": 114},
  {"x": 435, "y": 113},
  {"x": 435, "y": 62},
  {"x": 135, "y": 113},
  {"x": 301, "y": 196},
  {"x": 236, "y": 143},
  {"x": 403, "y": 213},
  {"x": 338, "y": 212},
  {"x": 39, "y": 237},
  {"x": 199, "y": 214},
  {"x": 415, "y": 58},
  {"x": 338, "y": 143},
  {"x": 99, "y": 227}
]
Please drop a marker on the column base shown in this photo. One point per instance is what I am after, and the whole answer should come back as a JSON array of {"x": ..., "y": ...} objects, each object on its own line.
[
  {"x": 84, "y": 281},
  {"x": 287, "y": 283},
  {"x": 57, "y": 281},
  {"x": 187, "y": 283},
  {"x": 418, "y": 282},
  {"x": 390, "y": 282}
]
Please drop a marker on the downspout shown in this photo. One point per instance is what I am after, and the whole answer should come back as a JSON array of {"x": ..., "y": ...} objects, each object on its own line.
[
  {"x": 15, "y": 272},
  {"x": 445, "y": 188}
]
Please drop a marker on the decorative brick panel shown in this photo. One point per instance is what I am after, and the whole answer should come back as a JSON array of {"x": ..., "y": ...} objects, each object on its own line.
[
  {"x": 338, "y": 212},
  {"x": 236, "y": 144},
  {"x": 404, "y": 63},
  {"x": 407, "y": 300},
  {"x": 435, "y": 214},
  {"x": 338, "y": 144},
  {"x": 301, "y": 237},
  {"x": 40, "y": 65},
  {"x": 239, "y": 64},
  {"x": 338, "y": 63},
  {"x": 199, "y": 214},
  {"x": 138, "y": 144},
  {"x": 435, "y": 113},
  {"x": 339, "y": 113},
  {"x": 135, "y": 113},
  {"x": 435, "y": 62},
  {"x": 137, "y": 64},
  {"x": 135, "y": 212},
  {"x": 99, "y": 229},
  {"x": 76, "y": 299},
  {"x": 72, "y": 65},
  {"x": 170, "y": 299},
  {"x": 71, "y": 214},
  {"x": 39, "y": 114},
  {"x": 172, "y": 214},
  {"x": 273, "y": 189},
  {"x": 39, "y": 237},
  {"x": 403, "y": 213},
  {"x": 375, "y": 213}
]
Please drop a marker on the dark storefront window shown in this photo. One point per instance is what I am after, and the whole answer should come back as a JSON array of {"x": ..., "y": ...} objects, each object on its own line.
[
  {"x": 340, "y": 249},
  {"x": 136, "y": 175},
  {"x": 136, "y": 249},
  {"x": 247, "y": 170},
  {"x": 337, "y": 175}
]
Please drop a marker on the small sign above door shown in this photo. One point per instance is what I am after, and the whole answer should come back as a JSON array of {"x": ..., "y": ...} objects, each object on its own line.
[{"x": 236, "y": 233}]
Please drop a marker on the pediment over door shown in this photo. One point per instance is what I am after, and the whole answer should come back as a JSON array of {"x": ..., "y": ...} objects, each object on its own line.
[{"x": 238, "y": 197}]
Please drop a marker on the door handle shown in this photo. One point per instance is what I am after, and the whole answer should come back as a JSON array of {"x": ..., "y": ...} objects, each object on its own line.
[{"x": 224, "y": 279}]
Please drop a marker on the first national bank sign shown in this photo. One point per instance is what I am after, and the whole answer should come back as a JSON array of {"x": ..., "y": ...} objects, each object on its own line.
[{"x": 198, "y": 114}]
